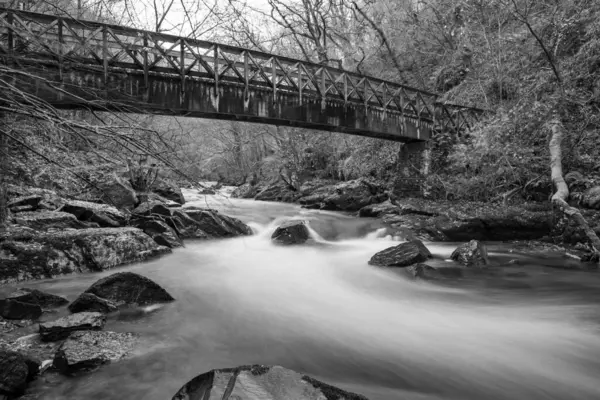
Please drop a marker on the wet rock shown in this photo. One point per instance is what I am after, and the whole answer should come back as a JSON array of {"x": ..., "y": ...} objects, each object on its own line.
[
  {"x": 591, "y": 198},
  {"x": 152, "y": 207},
  {"x": 344, "y": 196},
  {"x": 246, "y": 191},
  {"x": 278, "y": 191},
  {"x": 17, "y": 310},
  {"x": 61, "y": 328},
  {"x": 207, "y": 191},
  {"x": 92, "y": 303},
  {"x": 185, "y": 226},
  {"x": 403, "y": 255},
  {"x": 85, "y": 351},
  {"x": 471, "y": 254},
  {"x": 129, "y": 288},
  {"x": 376, "y": 210},
  {"x": 16, "y": 371},
  {"x": 218, "y": 225},
  {"x": 42, "y": 299},
  {"x": 291, "y": 232},
  {"x": 46, "y": 220},
  {"x": 24, "y": 203},
  {"x": 170, "y": 192},
  {"x": 422, "y": 271},
  {"x": 158, "y": 230},
  {"x": 254, "y": 382},
  {"x": 119, "y": 193},
  {"x": 102, "y": 214},
  {"x": 47, "y": 255}
]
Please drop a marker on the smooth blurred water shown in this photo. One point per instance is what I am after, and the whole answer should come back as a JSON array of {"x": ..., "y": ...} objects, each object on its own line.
[{"x": 322, "y": 310}]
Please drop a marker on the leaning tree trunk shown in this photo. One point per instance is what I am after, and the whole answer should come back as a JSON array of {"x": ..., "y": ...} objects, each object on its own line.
[
  {"x": 3, "y": 177},
  {"x": 560, "y": 197}
]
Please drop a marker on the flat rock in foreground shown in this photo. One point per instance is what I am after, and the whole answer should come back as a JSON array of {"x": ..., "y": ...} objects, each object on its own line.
[
  {"x": 50, "y": 254},
  {"x": 403, "y": 255},
  {"x": 127, "y": 288},
  {"x": 260, "y": 382},
  {"x": 62, "y": 327},
  {"x": 16, "y": 371},
  {"x": 42, "y": 299},
  {"x": 84, "y": 351},
  {"x": 14, "y": 309}
]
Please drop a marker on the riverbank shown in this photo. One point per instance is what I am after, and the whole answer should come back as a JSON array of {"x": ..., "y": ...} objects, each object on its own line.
[{"x": 434, "y": 220}]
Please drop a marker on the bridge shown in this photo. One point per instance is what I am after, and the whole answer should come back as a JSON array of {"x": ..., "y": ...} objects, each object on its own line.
[{"x": 72, "y": 63}]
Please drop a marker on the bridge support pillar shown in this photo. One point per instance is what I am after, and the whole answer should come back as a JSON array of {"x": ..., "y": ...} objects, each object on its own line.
[{"x": 414, "y": 160}]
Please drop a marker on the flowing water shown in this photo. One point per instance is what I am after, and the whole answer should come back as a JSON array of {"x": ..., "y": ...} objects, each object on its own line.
[{"x": 322, "y": 310}]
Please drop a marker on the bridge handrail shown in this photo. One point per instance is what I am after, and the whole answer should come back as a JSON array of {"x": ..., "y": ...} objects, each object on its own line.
[{"x": 421, "y": 104}]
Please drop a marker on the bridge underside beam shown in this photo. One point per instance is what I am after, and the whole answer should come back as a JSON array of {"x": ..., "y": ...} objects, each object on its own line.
[{"x": 133, "y": 93}]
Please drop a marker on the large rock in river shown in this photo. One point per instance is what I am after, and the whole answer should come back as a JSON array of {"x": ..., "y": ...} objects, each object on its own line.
[
  {"x": 160, "y": 231},
  {"x": 260, "y": 382},
  {"x": 218, "y": 225},
  {"x": 471, "y": 254},
  {"x": 16, "y": 371},
  {"x": 170, "y": 192},
  {"x": 87, "y": 350},
  {"x": 344, "y": 196},
  {"x": 102, "y": 214},
  {"x": 37, "y": 297},
  {"x": 61, "y": 328},
  {"x": 403, "y": 255},
  {"x": 291, "y": 232},
  {"x": 84, "y": 250},
  {"x": 129, "y": 288},
  {"x": 91, "y": 302},
  {"x": 118, "y": 192},
  {"x": 14, "y": 309}
]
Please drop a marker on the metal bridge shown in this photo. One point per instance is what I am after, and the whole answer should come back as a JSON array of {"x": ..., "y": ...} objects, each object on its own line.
[{"x": 72, "y": 63}]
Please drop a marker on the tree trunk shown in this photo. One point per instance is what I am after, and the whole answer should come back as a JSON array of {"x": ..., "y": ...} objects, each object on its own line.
[
  {"x": 560, "y": 197},
  {"x": 3, "y": 178}
]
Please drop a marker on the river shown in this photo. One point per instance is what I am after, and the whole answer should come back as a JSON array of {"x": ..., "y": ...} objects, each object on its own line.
[{"x": 323, "y": 311}]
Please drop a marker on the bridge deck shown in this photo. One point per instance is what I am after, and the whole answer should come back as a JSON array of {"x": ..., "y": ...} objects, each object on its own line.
[{"x": 74, "y": 63}]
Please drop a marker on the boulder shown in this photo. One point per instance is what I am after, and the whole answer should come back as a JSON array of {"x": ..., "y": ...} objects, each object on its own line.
[
  {"x": 152, "y": 207},
  {"x": 377, "y": 210},
  {"x": 246, "y": 191},
  {"x": 185, "y": 226},
  {"x": 102, "y": 214},
  {"x": 16, "y": 371},
  {"x": 207, "y": 191},
  {"x": 119, "y": 193},
  {"x": 61, "y": 328},
  {"x": 422, "y": 271},
  {"x": 158, "y": 230},
  {"x": 170, "y": 192},
  {"x": 47, "y": 255},
  {"x": 46, "y": 220},
  {"x": 591, "y": 198},
  {"x": 42, "y": 299},
  {"x": 471, "y": 254},
  {"x": 344, "y": 196},
  {"x": 291, "y": 232},
  {"x": 403, "y": 255},
  {"x": 218, "y": 225},
  {"x": 129, "y": 288},
  {"x": 276, "y": 192},
  {"x": 14, "y": 309},
  {"x": 92, "y": 303},
  {"x": 253, "y": 382},
  {"x": 87, "y": 350}
]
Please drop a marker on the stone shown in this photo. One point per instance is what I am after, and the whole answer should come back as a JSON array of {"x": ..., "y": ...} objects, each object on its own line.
[
  {"x": 260, "y": 382},
  {"x": 422, "y": 271},
  {"x": 129, "y": 288},
  {"x": 291, "y": 232},
  {"x": 170, "y": 192},
  {"x": 591, "y": 198},
  {"x": 207, "y": 191},
  {"x": 403, "y": 255},
  {"x": 276, "y": 192},
  {"x": 61, "y": 328},
  {"x": 51, "y": 254},
  {"x": 185, "y": 226},
  {"x": 379, "y": 209},
  {"x": 92, "y": 303},
  {"x": 119, "y": 193},
  {"x": 152, "y": 207},
  {"x": 14, "y": 309},
  {"x": 344, "y": 196},
  {"x": 31, "y": 201},
  {"x": 42, "y": 299},
  {"x": 246, "y": 191},
  {"x": 46, "y": 220},
  {"x": 160, "y": 231},
  {"x": 218, "y": 225},
  {"x": 87, "y": 350},
  {"x": 471, "y": 254},
  {"x": 16, "y": 371},
  {"x": 103, "y": 214}
]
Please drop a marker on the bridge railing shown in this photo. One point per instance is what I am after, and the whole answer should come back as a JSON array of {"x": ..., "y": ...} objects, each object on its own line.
[{"x": 66, "y": 43}]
